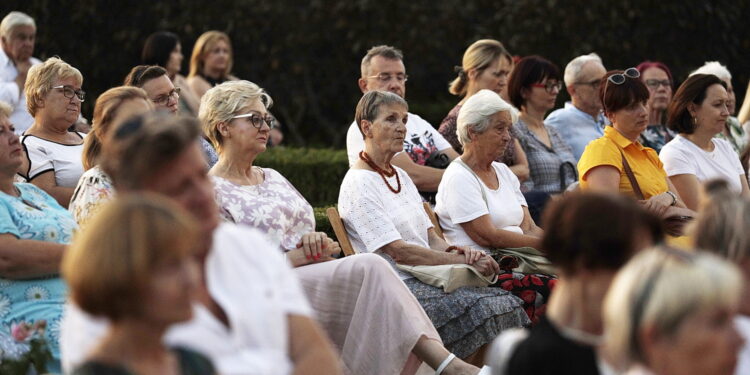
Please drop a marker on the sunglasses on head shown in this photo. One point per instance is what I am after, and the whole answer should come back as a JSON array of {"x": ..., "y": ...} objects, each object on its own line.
[{"x": 619, "y": 78}]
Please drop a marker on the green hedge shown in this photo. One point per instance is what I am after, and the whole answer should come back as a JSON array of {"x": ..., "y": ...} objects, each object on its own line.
[{"x": 316, "y": 173}]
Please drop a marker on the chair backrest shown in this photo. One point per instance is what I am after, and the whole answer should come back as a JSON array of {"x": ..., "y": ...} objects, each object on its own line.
[
  {"x": 338, "y": 228},
  {"x": 433, "y": 219}
]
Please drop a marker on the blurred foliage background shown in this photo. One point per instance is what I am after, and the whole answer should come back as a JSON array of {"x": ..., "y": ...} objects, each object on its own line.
[{"x": 307, "y": 54}]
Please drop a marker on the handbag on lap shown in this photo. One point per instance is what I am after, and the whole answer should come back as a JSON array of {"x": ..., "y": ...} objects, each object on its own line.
[{"x": 448, "y": 276}]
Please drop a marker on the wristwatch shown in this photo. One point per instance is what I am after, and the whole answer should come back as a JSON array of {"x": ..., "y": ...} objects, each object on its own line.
[{"x": 674, "y": 198}]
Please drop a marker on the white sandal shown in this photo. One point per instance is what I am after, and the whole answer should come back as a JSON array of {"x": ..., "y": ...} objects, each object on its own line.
[
  {"x": 485, "y": 370},
  {"x": 445, "y": 364}
]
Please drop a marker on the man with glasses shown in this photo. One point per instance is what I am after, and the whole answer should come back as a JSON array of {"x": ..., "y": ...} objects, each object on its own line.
[
  {"x": 383, "y": 69},
  {"x": 582, "y": 120},
  {"x": 17, "y": 36},
  {"x": 161, "y": 91}
]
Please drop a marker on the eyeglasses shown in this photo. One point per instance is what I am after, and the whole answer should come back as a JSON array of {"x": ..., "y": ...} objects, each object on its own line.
[
  {"x": 619, "y": 78},
  {"x": 386, "y": 77},
  {"x": 257, "y": 120},
  {"x": 70, "y": 92},
  {"x": 164, "y": 99},
  {"x": 655, "y": 83},
  {"x": 594, "y": 84},
  {"x": 550, "y": 86}
]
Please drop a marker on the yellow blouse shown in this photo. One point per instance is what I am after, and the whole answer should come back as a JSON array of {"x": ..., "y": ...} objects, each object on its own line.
[{"x": 644, "y": 161}]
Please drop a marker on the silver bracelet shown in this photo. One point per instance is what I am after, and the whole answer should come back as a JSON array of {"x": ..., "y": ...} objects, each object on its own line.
[{"x": 674, "y": 198}]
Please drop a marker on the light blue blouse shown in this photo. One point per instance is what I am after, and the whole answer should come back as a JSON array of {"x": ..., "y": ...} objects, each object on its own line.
[{"x": 35, "y": 215}]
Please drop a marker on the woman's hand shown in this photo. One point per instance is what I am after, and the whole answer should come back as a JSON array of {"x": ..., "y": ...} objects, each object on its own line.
[
  {"x": 313, "y": 244},
  {"x": 332, "y": 248},
  {"x": 471, "y": 255},
  {"x": 658, "y": 204},
  {"x": 487, "y": 266}
]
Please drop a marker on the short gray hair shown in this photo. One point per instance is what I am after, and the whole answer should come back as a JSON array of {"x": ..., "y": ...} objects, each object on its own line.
[
  {"x": 13, "y": 20},
  {"x": 715, "y": 68},
  {"x": 387, "y": 52},
  {"x": 222, "y": 102},
  {"x": 475, "y": 114},
  {"x": 369, "y": 105},
  {"x": 574, "y": 67}
]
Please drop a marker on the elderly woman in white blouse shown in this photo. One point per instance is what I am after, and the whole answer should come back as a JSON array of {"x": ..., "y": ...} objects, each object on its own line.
[
  {"x": 699, "y": 112},
  {"x": 383, "y": 214},
  {"x": 479, "y": 200},
  {"x": 373, "y": 319}
]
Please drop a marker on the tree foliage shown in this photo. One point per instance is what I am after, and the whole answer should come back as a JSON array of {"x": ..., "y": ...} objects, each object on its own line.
[{"x": 306, "y": 54}]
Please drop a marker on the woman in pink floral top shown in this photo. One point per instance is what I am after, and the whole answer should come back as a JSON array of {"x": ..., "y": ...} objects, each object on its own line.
[{"x": 368, "y": 313}]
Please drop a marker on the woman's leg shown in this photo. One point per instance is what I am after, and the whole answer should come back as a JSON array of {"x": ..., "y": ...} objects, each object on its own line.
[{"x": 434, "y": 353}]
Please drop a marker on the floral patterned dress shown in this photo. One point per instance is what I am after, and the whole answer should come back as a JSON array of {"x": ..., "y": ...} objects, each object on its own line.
[
  {"x": 274, "y": 207},
  {"x": 94, "y": 189},
  {"x": 34, "y": 215}
]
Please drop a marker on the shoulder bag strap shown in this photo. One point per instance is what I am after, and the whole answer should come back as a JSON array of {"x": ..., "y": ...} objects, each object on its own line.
[
  {"x": 479, "y": 181},
  {"x": 631, "y": 177}
]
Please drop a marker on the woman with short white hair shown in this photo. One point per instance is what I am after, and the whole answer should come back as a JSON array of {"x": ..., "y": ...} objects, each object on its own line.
[
  {"x": 671, "y": 312},
  {"x": 479, "y": 200},
  {"x": 733, "y": 131}
]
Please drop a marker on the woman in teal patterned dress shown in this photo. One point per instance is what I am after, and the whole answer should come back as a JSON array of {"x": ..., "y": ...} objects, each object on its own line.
[{"x": 34, "y": 231}]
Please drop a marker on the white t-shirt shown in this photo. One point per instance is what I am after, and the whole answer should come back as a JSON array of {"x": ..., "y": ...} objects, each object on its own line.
[
  {"x": 420, "y": 142},
  {"x": 459, "y": 200},
  {"x": 742, "y": 323},
  {"x": 374, "y": 216},
  {"x": 45, "y": 156},
  {"x": 250, "y": 279},
  {"x": 14, "y": 95},
  {"x": 681, "y": 156}
]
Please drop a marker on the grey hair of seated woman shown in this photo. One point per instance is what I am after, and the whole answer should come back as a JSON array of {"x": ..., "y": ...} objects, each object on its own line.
[{"x": 476, "y": 112}]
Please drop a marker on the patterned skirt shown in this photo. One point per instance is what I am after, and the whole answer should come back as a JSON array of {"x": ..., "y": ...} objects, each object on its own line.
[{"x": 469, "y": 317}]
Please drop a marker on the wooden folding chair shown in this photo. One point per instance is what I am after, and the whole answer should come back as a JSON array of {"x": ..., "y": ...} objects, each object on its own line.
[
  {"x": 338, "y": 228},
  {"x": 433, "y": 219}
]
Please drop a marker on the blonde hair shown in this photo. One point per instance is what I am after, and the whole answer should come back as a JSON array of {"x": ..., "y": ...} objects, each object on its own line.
[
  {"x": 661, "y": 288},
  {"x": 105, "y": 111},
  {"x": 478, "y": 56},
  {"x": 139, "y": 147},
  {"x": 13, "y": 20},
  {"x": 202, "y": 46},
  {"x": 5, "y": 109},
  {"x": 476, "y": 112},
  {"x": 721, "y": 226},
  {"x": 41, "y": 78},
  {"x": 118, "y": 252},
  {"x": 223, "y": 101}
]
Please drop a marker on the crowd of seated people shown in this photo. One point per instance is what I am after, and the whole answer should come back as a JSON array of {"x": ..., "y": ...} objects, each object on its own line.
[{"x": 607, "y": 237}]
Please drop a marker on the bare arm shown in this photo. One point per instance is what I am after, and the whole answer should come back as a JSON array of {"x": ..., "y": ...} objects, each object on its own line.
[
  {"x": 310, "y": 350},
  {"x": 604, "y": 178},
  {"x": 46, "y": 182},
  {"x": 28, "y": 259},
  {"x": 528, "y": 225},
  {"x": 688, "y": 187},
  {"x": 484, "y": 233},
  {"x": 521, "y": 168},
  {"x": 405, "y": 253}
]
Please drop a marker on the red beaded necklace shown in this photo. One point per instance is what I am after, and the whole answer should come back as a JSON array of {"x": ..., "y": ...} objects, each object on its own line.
[{"x": 366, "y": 158}]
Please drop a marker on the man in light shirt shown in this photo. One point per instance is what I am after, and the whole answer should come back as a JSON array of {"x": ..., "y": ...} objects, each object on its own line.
[
  {"x": 582, "y": 120},
  {"x": 17, "y": 36},
  {"x": 383, "y": 69}
]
